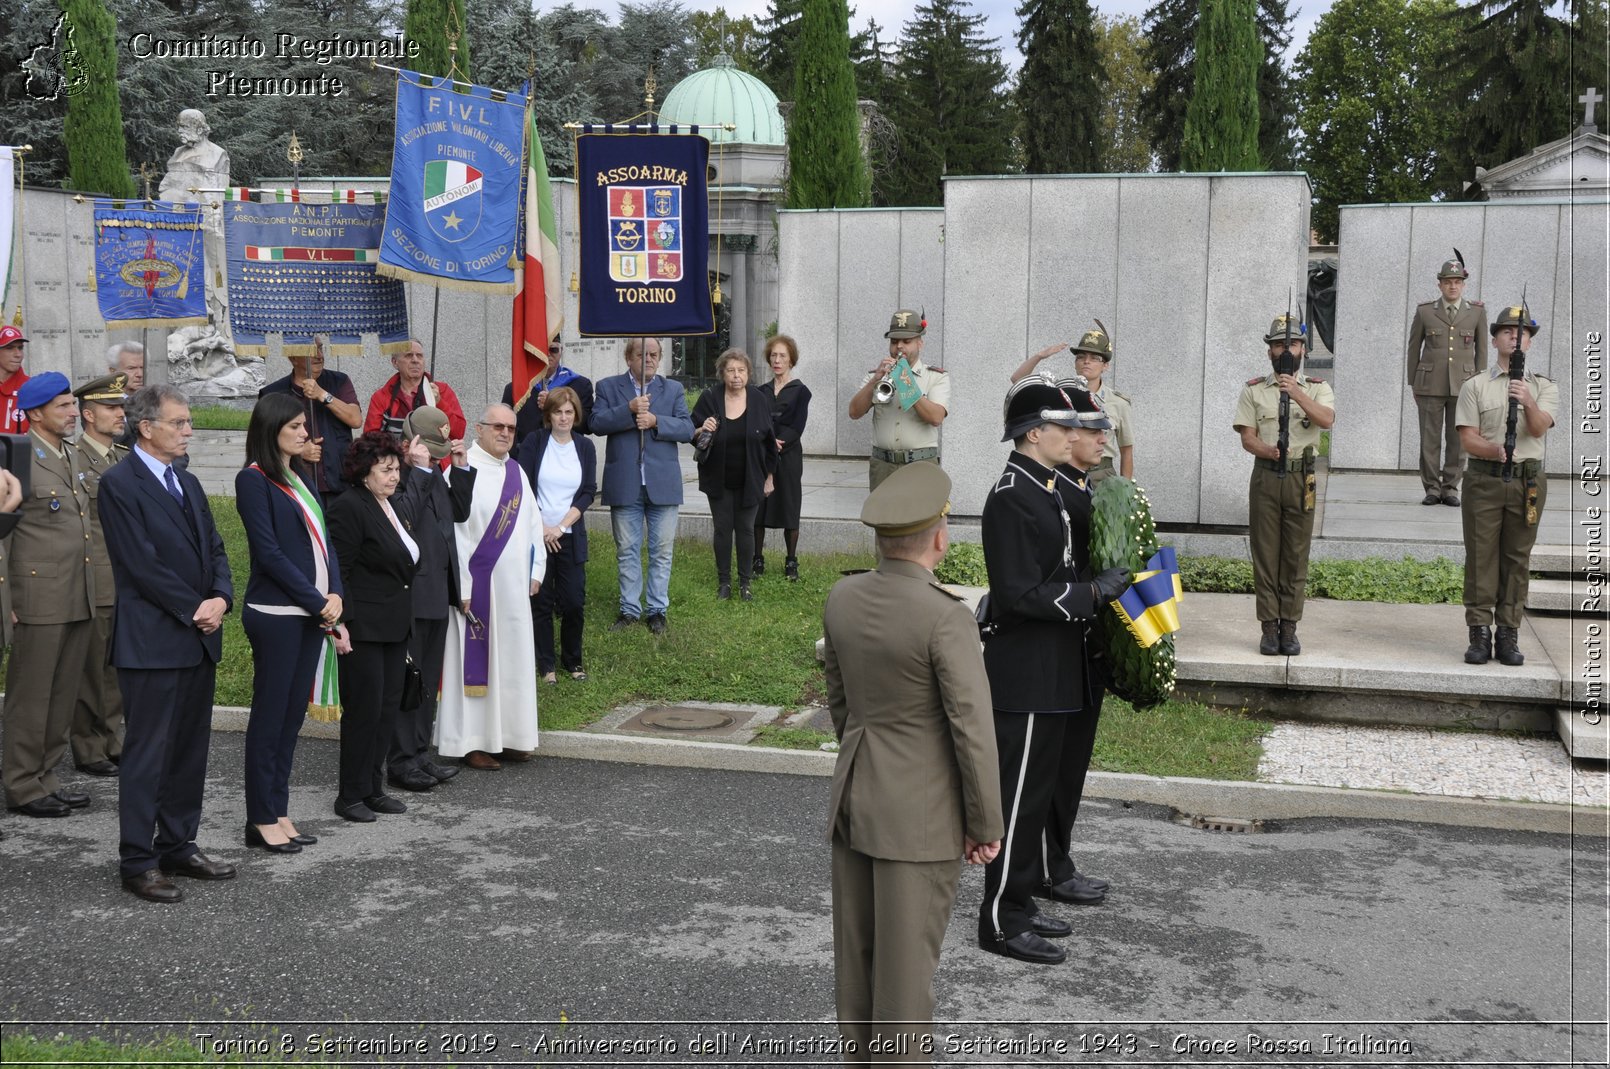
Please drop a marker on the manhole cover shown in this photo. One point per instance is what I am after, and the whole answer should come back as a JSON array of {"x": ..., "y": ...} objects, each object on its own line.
[
  {"x": 684, "y": 718},
  {"x": 1234, "y": 825}
]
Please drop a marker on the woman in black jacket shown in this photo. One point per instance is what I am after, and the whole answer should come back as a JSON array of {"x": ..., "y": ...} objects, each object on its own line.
[
  {"x": 379, "y": 557},
  {"x": 739, "y": 448},
  {"x": 562, "y": 468}
]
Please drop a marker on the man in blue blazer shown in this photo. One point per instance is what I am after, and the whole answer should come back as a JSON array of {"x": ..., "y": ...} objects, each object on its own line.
[
  {"x": 643, "y": 417},
  {"x": 173, "y": 589}
]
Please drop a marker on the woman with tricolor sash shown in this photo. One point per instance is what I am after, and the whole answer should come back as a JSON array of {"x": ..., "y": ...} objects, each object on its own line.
[{"x": 292, "y": 616}]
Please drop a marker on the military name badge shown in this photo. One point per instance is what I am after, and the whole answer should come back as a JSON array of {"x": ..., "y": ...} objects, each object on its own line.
[{"x": 645, "y": 234}]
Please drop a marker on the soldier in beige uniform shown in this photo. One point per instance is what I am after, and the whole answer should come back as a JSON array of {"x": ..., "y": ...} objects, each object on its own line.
[
  {"x": 1090, "y": 359},
  {"x": 97, "y": 732},
  {"x": 915, "y": 787},
  {"x": 1500, "y": 518},
  {"x": 1447, "y": 348},
  {"x": 53, "y": 595},
  {"x": 1280, "y": 509},
  {"x": 900, "y": 435}
]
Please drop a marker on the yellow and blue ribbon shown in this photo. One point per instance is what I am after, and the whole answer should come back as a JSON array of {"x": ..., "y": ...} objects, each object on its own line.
[{"x": 1150, "y": 607}]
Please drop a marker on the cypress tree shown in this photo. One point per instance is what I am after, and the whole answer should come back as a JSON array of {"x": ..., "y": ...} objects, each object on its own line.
[
  {"x": 97, "y": 159},
  {"x": 428, "y": 23},
  {"x": 1221, "y": 120},
  {"x": 825, "y": 166},
  {"x": 1060, "y": 88}
]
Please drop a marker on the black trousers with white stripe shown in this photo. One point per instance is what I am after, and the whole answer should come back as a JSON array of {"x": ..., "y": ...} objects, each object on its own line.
[
  {"x": 1056, "y": 863},
  {"x": 1037, "y": 751}
]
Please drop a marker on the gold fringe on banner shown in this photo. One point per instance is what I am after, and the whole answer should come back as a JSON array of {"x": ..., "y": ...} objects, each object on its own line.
[
  {"x": 306, "y": 349},
  {"x": 324, "y": 714},
  {"x": 188, "y": 321},
  {"x": 402, "y": 274}
]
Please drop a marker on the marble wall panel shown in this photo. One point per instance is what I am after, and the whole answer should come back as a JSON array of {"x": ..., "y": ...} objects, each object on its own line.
[{"x": 1375, "y": 297}]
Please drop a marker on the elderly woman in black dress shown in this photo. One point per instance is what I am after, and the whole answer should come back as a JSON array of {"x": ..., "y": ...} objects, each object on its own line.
[
  {"x": 790, "y": 402},
  {"x": 733, "y": 432}
]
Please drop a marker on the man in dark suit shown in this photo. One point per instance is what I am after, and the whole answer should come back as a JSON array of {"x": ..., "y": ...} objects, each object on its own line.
[
  {"x": 173, "y": 589},
  {"x": 53, "y": 592},
  {"x": 915, "y": 787},
  {"x": 643, "y": 416},
  {"x": 438, "y": 499}
]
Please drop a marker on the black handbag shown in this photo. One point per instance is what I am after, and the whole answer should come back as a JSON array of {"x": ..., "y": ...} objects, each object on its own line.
[
  {"x": 702, "y": 441},
  {"x": 413, "y": 692}
]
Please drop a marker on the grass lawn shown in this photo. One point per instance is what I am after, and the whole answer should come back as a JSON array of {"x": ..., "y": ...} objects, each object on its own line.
[{"x": 219, "y": 418}]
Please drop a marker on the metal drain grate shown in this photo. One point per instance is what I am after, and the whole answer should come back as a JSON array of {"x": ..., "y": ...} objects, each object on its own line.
[{"x": 1233, "y": 825}]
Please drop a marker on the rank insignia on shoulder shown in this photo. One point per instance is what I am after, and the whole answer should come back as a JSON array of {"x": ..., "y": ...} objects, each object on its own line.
[
  {"x": 38, "y": 452},
  {"x": 1313, "y": 380},
  {"x": 951, "y": 594},
  {"x": 1476, "y": 304},
  {"x": 1122, "y": 397},
  {"x": 940, "y": 370},
  {"x": 1254, "y": 380}
]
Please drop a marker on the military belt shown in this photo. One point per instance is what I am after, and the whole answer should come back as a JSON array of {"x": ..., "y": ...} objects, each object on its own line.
[
  {"x": 1291, "y": 464},
  {"x": 1526, "y": 469},
  {"x": 905, "y": 456}
]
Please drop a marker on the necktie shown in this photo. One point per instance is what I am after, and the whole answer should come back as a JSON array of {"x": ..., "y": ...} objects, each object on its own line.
[{"x": 173, "y": 485}]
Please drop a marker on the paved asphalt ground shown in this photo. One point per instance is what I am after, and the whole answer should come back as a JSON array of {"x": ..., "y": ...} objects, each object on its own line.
[{"x": 587, "y": 892}]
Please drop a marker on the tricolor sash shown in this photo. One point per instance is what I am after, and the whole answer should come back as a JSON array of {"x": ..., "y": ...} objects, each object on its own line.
[
  {"x": 324, "y": 700},
  {"x": 477, "y": 624}
]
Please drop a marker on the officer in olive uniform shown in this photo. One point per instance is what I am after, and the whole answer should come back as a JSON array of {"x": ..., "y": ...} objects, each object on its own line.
[
  {"x": 97, "y": 732},
  {"x": 1500, "y": 517},
  {"x": 53, "y": 595},
  {"x": 914, "y": 787},
  {"x": 902, "y": 435},
  {"x": 1447, "y": 348},
  {"x": 1280, "y": 508},
  {"x": 1036, "y": 542}
]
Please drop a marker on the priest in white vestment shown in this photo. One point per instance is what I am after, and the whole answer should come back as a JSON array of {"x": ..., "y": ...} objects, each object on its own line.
[{"x": 489, "y": 678}]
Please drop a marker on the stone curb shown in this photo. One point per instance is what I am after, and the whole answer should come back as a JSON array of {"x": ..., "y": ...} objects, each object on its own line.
[{"x": 1201, "y": 797}]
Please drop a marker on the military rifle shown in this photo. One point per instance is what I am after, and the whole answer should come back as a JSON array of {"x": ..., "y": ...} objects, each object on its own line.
[
  {"x": 1285, "y": 367},
  {"x": 1517, "y": 372}
]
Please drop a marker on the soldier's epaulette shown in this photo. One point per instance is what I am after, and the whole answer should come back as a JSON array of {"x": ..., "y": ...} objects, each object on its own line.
[
  {"x": 1122, "y": 397},
  {"x": 931, "y": 367},
  {"x": 1254, "y": 380},
  {"x": 1540, "y": 378},
  {"x": 1434, "y": 300},
  {"x": 1311, "y": 379},
  {"x": 948, "y": 593},
  {"x": 1476, "y": 304}
]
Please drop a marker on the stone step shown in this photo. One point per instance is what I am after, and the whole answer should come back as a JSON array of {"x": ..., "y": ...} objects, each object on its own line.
[{"x": 1553, "y": 595}]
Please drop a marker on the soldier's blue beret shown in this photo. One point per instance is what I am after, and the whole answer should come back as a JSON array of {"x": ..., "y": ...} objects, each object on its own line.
[{"x": 42, "y": 389}]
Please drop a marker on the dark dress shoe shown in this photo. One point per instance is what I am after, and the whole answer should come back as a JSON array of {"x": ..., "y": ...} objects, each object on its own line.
[
  {"x": 745, "y": 593},
  {"x": 199, "y": 866},
  {"x": 70, "y": 798},
  {"x": 304, "y": 840},
  {"x": 414, "y": 779},
  {"x": 656, "y": 623},
  {"x": 622, "y": 622},
  {"x": 791, "y": 569},
  {"x": 481, "y": 761},
  {"x": 48, "y": 806},
  {"x": 519, "y": 757},
  {"x": 1074, "y": 890},
  {"x": 1094, "y": 881},
  {"x": 356, "y": 812},
  {"x": 1451, "y": 499},
  {"x": 1049, "y": 927},
  {"x": 1025, "y": 946},
  {"x": 385, "y": 803},
  {"x": 441, "y": 773},
  {"x": 723, "y": 591},
  {"x": 152, "y": 886},
  {"x": 99, "y": 768},
  {"x": 1431, "y": 498},
  {"x": 254, "y": 837},
  {"x": 758, "y": 567}
]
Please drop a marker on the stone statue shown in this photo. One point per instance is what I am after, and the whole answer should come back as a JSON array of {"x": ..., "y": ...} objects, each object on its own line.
[
  {"x": 203, "y": 363},
  {"x": 199, "y": 164}
]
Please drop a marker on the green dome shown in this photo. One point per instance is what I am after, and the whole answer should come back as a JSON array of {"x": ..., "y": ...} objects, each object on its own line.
[{"x": 721, "y": 93}]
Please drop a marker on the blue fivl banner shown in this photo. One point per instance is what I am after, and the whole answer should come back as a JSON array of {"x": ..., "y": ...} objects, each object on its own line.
[
  {"x": 306, "y": 269},
  {"x": 454, "y": 210},
  {"x": 149, "y": 264},
  {"x": 645, "y": 235}
]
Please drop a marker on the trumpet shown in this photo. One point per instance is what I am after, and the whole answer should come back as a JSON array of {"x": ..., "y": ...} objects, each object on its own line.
[{"x": 884, "y": 392}]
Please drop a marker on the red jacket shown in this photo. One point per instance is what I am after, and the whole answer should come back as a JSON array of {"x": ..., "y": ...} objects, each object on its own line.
[
  {"x": 12, "y": 421},
  {"x": 390, "y": 401}
]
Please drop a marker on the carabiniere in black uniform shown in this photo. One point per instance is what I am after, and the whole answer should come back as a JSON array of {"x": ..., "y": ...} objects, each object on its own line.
[{"x": 1036, "y": 530}]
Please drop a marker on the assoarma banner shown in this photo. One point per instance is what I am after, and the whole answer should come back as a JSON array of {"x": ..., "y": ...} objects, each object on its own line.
[
  {"x": 645, "y": 235},
  {"x": 453, "y": 215},
  {"x": 306, "y": 269},
  {"x": 149, "y": 264}
]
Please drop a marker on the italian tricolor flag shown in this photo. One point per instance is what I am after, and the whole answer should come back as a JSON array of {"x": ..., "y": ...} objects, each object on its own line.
[{"x": 539, "y": 309}]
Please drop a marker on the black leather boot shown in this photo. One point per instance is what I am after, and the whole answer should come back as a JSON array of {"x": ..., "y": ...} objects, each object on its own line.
[
  {"x": 759, "y": 567},
  {"x": 724, "y": 590},
  {"x": 1289, "y": 646},
  {"x": 1481, "y": 645},
  {"x": 1506, "y": 646},
  {"x": 1270, "y": 644}
]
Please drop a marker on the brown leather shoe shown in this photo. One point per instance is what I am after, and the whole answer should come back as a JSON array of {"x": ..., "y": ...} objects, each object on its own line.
[
  {"x": 199, "y": 866},
  {"x": 152, "y": 886},
  {"x": 517, "y": 756},
  {"x": 481, "y": 760}
]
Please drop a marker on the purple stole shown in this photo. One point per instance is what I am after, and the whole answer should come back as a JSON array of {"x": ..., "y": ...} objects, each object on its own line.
[{"x": 477, "y": 637}]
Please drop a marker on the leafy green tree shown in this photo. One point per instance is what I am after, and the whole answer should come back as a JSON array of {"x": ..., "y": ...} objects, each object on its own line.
[
  {"x": 825, "y": 166},
  {"x": 951, "y": 104},
  {"x": 1060, "y": 88},
  {"x": 1126, "y": 142},
  {"x": 1514, "y": 78},
  {"x": 718, "y": 33},
  {"x": 1170, "y": 53},
  {"x": 779, "y": 44},
  {"x": 652, "y": 35},
  {"x": 1221, "y": 121},
  {"x": 1369, "y": 106},
  {"x": 433, "y": 25}
]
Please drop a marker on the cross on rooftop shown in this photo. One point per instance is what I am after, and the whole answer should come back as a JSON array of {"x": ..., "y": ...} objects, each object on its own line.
[{"x": 1589, "y": 100}]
